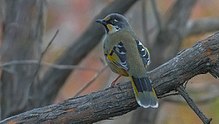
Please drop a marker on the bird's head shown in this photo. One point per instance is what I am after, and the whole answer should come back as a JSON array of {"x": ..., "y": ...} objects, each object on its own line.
[{"x": 114, "y": 22}]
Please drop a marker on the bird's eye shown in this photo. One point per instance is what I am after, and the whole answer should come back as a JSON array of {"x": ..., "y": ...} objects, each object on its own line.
[
  {"x": 112, "y": 22},
  {"x": 115, "y": 20}
]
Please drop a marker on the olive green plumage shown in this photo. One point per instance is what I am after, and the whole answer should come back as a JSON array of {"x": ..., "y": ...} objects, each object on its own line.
[{"x": 126, "y": 56}]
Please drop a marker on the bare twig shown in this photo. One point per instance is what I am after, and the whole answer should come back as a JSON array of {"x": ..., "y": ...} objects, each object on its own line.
[
  {"x": 144, "y": 24},
  {"x": 35, "y": 75},
  {"x": 199, "y": 101},
  {"x": 91, "y": 81},
  {"x": 209, "y": 94},
  {"x": 156, "y": 14},
  {"x": 168, "y": 94},
  {"x": 51, "y": 65},
  {"x": 192, "y": 105}
]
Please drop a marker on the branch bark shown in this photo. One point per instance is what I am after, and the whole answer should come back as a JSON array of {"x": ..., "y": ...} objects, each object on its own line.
[{"x": 201, "y": 58}]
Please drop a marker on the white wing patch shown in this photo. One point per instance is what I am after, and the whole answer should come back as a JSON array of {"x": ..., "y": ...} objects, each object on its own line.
[{"x": 144, "y": 54}]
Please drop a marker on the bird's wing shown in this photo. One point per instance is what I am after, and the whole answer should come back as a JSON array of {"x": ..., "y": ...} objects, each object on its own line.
[
  {"x": 143, "y": 52},
  {"x": 117, "y": 56}
]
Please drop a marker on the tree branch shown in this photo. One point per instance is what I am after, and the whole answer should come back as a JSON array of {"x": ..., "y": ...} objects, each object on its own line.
[
  {"x": 156, "y": 14},
  {"x": 201, "y": 58},
  {"x": 144, "y": 23},
  {"x": 192, "y": 105},
  {"x": 206, "y": 96},
  {"x": 204, "y": 25}
]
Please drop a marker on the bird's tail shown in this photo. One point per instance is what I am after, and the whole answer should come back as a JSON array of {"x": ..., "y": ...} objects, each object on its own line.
[{"x": 144, "y": 92}]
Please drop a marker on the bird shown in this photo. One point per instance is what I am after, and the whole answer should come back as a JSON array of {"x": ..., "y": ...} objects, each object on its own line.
[{"x": 127, "y": 56}]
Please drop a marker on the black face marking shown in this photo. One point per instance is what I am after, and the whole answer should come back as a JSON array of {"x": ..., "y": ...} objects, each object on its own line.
[
  {"x": 107, "y": 30},
  {"x": 117, "y": 20}
]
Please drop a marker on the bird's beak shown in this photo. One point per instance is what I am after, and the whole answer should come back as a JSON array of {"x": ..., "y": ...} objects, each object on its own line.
[{"x": 101, "y": 21}]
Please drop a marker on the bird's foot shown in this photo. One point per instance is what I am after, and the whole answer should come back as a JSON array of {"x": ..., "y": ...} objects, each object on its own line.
[{"x": 114, "y": 83}]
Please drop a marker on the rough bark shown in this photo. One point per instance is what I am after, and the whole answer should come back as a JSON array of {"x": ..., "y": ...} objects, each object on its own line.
[{"x": 201, "y": 58}]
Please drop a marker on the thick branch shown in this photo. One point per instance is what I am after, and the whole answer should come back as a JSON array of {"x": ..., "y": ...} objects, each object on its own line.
[
  {"x": 201, "y": 58},
  {"x": 202, "y": 26}
]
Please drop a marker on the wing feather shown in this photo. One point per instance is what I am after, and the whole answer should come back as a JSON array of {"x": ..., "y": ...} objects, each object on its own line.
[
  {"x": 143, "y": 52},
  {"x": 117, "y": 56}
]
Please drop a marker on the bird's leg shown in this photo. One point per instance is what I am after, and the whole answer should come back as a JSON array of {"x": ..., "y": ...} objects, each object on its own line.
[{"x": 114, "y": 82}]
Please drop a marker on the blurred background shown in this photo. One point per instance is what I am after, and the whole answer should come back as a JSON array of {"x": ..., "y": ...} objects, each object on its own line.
[{"x": 154, "y": 23}]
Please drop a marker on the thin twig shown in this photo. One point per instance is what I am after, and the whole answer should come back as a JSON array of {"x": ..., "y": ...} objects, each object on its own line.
[
  {"x": 43, "y": 53},
  {"x": 144, "y": 24},
  {"x": 156, "y": 14},
  {"x": 199, "y": 101},
  {"x": 168, "y": 94},
  {"x": 185, "y": 84},
  {"x": 41, "y": 57},
  {"x": 51, "y": 65},
  {"x": 35, "y": 75},
  {"x": 91, "y": 81},
  {"x": 209, "y": 95},
  {"x": 192, "y": 105}
]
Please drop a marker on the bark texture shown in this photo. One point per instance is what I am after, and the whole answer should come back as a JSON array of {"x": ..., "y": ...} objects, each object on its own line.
[{"x": 201, "y": 58}]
